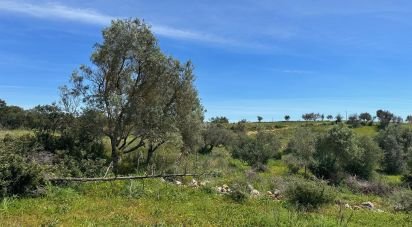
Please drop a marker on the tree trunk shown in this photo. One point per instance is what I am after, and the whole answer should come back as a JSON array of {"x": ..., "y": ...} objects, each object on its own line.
[
  {"x": 150, "y": 153},
  {"x": 115, "y": 156}
]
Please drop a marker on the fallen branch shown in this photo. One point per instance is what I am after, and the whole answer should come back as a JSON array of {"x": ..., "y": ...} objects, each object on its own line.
[{"x": 79, "y": 179}]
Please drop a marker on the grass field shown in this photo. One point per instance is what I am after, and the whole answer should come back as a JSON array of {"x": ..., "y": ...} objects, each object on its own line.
[{"x": 154, "y": 202}]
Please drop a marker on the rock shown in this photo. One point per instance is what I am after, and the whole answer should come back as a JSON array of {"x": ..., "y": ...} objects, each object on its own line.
[
  {"x": 194, "y": 183},
  {"x": 357, "y": 207},
  {"x": 203, "y": 183},
  {"x": 162, "y": 180},
  {"x": 225, "y": 186},
  {"x": 368, "y": 205},
  {"x": 219, "y": 189},
  {"x": 276, "y": 192},
  {"x": 269, "y": 193},
  {"x": 251, "y": 188},
  {"x": 178, "y": 182},
  {"x": 254, "y": 193},
  {"x": 379, "y": 211},
  {"x": 347, "y": 206}
]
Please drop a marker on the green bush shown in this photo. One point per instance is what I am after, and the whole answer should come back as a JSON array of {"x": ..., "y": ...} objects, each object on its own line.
[
  {"x": 19, "y": 176},
  {"x": 402, "y": 200},
  {"x": 258, "y": 150},
  {"x": 238, "y": 192},
  {"x": 308, "y": 194}
]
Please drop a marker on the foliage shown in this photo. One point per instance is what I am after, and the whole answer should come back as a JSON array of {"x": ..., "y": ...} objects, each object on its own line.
[
  {"x": 311, "y": 116},
  {"x": 301, "y": 148},
  {"x": 308, "y": 194},
  {"x": 365, "y": 117},
  {"x": 385, "y": 117},
  {"x": 368, "y": 187},
  {"x": 402, "y": 200},
  {"x": 257, "y": 150},
  {"x": 396, "y": 143},
  {"x": 219, "y": 120},
  {"x": 287, "y": 117},
  {"x": 18, "y": 175},
  {"x": 144, "y": 96},
  {"x": 216, "y": 135},
  {"x": 341, "y": 152},
  {"x": 354, "y": 121}
]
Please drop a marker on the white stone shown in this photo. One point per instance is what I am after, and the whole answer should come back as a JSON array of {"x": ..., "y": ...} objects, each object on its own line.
[{"x": 368, "y": 205}]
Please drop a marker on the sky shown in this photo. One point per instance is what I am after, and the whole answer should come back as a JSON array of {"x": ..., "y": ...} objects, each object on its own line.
[{"x": 269, "y": 57}]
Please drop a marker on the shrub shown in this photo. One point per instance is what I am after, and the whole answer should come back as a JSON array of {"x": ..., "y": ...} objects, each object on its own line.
[
  {"x": 368, "y": 187},
  {"x": 402, "y": 200},
  {"x": 308, "y": 194},
  {"x": 238, "y": 192},
  {"x": 257, "y": 150},
  {"x": 18, "y": 176},
  {"x": 340, "y": 152},
  {"x": 396, "y": 143}
]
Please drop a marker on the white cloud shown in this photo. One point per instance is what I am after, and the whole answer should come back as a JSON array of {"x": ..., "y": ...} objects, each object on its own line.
[{"x": 53, "y": 11}]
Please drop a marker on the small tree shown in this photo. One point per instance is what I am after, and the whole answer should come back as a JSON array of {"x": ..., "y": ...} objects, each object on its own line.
[
  {"x": 365, "y": 117},
  {"x": 353, "y": 120},
  {"x": 2, "y": 103},
  {"x": 259, "y": 118},
  {"x": 322, "y": 117},
  {"x": 144, "y": 96},
  {"x": 257, "y": 151},
  {"x": 385, "y": 117},
  {"x": 409, "y": 119},
  {"x": 215, "y": 135},
  {"x": 219, "y": 120},
  {"x": 396, "y": 143},
  {"x": 302, "y": 147},
  {"x": 329, "y": 117},
  {"x": 338, "y": 118},
  {"x": 287, "y": 117}
]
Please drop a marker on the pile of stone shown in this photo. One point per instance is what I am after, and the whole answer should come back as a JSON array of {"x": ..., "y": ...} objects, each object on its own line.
[
  {"x": 275, "y": 194},
  {"x": 224, "y": 189},
  {"x": 365, "y": 205}
]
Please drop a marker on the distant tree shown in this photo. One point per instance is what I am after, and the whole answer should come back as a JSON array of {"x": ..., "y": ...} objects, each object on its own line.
[
  {"x": 353, "y": 120},
  {"x": 409, "y": 119},
  {"x": 145, "y": 96},
  {"x": 287, "y": 117},
  {"x": 2, "y": 103},
  {"x": 12, "y": 117},
  {"x": 365, "y": 117},
  {"x": 322, "y": 117},
  {"x": 259, "y": 118},
  {"x": 385, "y": 117},
  {"x": 311, "y": 116},
  {"x": 338, "y": 118},
  {"x": 219, "y": 120},
  {"x": 329, "y": 117},
  {"x": 397, "y": 119}
]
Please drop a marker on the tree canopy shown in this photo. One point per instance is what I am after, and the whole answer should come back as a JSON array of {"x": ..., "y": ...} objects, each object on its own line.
[{"x": 144, "y": 95}]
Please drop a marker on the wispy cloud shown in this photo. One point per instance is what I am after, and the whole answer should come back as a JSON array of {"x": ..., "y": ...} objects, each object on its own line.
[
  {"x": 297, "y": 71},
  {"x": 52, "y": 11}
]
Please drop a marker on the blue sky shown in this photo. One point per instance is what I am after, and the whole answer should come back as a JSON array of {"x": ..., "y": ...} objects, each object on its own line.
[{"x": 267, "y": 58}]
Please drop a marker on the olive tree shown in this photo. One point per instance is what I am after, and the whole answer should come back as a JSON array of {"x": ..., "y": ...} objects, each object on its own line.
[
  {"x": 144, "y": 95},
  {"x": 301, "y": 148}
]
